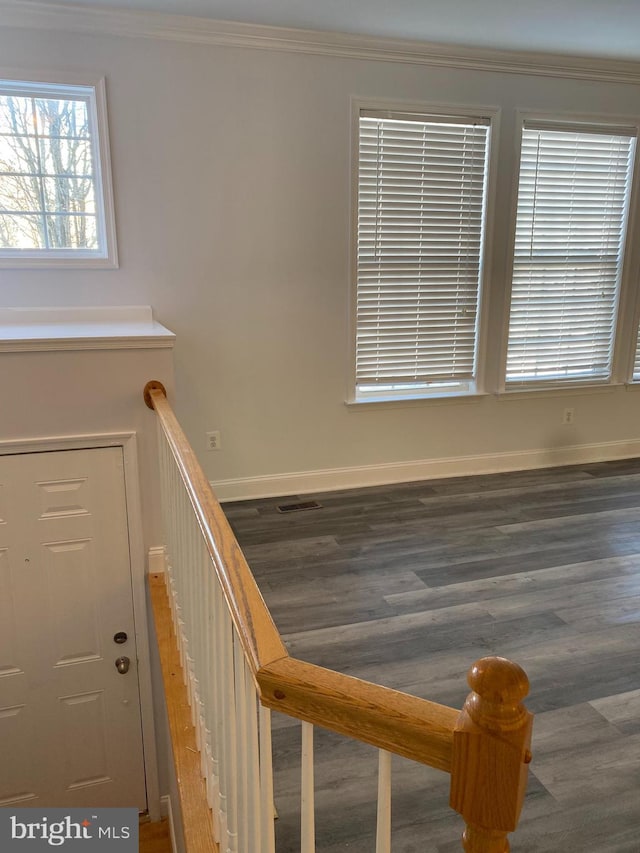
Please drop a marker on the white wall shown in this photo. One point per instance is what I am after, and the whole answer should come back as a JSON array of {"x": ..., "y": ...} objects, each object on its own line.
[
  {"x": 84, "y": 393},
  {"x": 94, "y": 392},
  {"x": 232, "y": 188}
]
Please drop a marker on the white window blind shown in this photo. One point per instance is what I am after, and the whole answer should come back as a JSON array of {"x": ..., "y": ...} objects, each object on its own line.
[
  {"x": 570, "y": 232},
  {"x": 421, "y": 203}
]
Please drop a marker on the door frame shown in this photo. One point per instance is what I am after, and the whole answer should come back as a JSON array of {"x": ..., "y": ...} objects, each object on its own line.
[{"x": 128, "y": 443}]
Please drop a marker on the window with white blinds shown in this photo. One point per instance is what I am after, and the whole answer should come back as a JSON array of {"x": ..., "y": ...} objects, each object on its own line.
[
  {"x": 421, "y": 208},
  {"x": 571, "y": 219}
]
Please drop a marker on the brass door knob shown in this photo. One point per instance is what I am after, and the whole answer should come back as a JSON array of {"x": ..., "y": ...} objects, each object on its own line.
[{"x": 123, "y": 664}]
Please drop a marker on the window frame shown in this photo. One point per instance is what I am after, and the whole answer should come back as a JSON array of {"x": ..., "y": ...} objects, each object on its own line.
[
  {"x": 491, "y": 114},
  {"x": 93, "y": 88},
  {"x": 627, "y": 303},
  {"x": 629, "y": 319}
]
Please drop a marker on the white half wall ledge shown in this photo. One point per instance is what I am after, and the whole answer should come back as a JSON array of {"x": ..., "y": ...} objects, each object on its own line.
[
  {"x": 332, "y": 479},
  {"x": 82, "y": 328}
]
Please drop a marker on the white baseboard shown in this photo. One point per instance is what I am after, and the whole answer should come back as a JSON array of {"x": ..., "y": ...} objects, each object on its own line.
[
  {"x": 166, "y": 811},
  {"x": 330, "y": 479},
  {"x": 156, "y": 562}
]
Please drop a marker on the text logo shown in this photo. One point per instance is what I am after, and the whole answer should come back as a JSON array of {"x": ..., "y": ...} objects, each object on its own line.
[{"x": 74, "y": 830}]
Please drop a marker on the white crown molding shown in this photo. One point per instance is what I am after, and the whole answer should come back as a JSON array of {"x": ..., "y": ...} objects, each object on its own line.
[
  {"x": 132, "y": 24},
  {"x": 331, "y": 479}
]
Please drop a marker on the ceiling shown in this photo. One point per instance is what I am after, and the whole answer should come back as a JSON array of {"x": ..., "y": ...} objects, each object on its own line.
[{"x": 599, "y": 28}]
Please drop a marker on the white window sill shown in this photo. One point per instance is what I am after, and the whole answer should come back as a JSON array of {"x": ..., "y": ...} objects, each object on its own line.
[
  {"x": 557, "y": 391},
  {"x": 61, "y": 260},
  {"x": 54, "y": 329},
  {"x": 411, "y": 402}
]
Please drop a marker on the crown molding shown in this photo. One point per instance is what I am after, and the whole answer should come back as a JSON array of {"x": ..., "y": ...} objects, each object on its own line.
[{"x": 32, "y": 14}]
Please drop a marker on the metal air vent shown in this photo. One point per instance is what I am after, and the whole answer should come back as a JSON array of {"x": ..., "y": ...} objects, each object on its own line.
[{"x": 298, "y": 507}]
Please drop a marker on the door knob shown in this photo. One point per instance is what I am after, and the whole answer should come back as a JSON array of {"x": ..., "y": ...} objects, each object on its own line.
[{"x": 123, "y": 664}]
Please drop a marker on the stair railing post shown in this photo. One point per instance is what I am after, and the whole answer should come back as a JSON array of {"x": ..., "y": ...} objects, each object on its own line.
[{"x": 491, "y": 753}]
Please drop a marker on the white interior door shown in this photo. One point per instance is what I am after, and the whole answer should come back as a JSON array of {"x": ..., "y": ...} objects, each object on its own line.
[{"x": 70, "y": 729}]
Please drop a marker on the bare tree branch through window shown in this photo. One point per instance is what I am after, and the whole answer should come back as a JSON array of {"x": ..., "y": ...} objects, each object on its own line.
[{"x": 49, "y": 180}]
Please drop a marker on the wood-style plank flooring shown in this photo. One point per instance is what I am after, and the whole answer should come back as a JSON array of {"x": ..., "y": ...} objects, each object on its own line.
[
  {"x": 154, "y": 837},
  {"x": 407, "y": 585}
]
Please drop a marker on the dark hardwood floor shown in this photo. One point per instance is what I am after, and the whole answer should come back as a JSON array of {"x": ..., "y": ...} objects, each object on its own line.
[{"x": 407, "y": 585}]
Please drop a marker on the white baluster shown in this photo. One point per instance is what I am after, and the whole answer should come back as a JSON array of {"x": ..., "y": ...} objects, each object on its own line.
[
  {"x": 208, "y": 693},
  {"x": 253, "y": 764},
  {"x": 220, "y": 727},
  {"x": 171, "y": 592},
  {"x": 188, "y": 560},
  {"x": 231, "y": 734},
  {"x": 240, "y": 711},
  {"x": 185, "y": 567},
  {"x": 383, "y": 829},
  {"x": 212, "y": 700},
  {"x": 307, "y": 805},
  {"x": 191, "y": 690},
  {"x": 202, "y": 593},
  {"x": 204, "y": 746},
  {"x": 267, "y": 829},
  {"x": 183, "y": 646}
]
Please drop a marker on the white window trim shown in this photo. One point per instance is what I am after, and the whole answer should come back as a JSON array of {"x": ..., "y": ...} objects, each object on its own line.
[
  {"x": 629, "y": 316},
  {"x": 492, "y": 113},
  {"x": 628, "y": 302},
  {"x": 73, "y": 258}
]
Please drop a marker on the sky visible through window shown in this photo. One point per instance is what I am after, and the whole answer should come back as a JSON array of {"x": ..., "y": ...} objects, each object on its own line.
[{"x": 47, "y": 174}]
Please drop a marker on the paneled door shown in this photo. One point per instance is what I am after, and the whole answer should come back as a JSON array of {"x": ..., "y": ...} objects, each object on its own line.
[{"x": 70, "y": 727}]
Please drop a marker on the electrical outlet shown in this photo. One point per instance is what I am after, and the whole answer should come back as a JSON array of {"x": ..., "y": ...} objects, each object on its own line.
[
  {"x": 213, "y": 440},
  {"x": 568, "y": 416}
]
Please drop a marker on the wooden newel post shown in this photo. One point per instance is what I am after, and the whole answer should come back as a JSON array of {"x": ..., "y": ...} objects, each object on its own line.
[{"x": 491, "y": 751}]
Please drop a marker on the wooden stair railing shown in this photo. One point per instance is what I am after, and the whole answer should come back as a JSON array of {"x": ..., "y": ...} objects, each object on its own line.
[{"x": 236, "y": 667}]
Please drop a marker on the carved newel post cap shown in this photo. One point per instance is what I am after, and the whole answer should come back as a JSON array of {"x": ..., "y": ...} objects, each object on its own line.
[
  {"x": 490, "y": 754},
  {"x": 499, "y": 686},
  {"x": 498, "y": 680}
]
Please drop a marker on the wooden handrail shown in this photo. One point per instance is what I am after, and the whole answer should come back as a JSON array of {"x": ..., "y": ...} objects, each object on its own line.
[
  {"x": 400, "y": 723},
  {"x": 258, "y": 634},
  {"x": 485, "y": 747}
]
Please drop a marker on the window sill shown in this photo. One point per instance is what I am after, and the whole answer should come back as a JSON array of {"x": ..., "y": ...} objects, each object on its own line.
[
  {"x": 567, "y": 391},
  {"x": 412, "y": 402},
  {"x": 77, "y": 261},
  {"x": 55, "y": 329}
]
